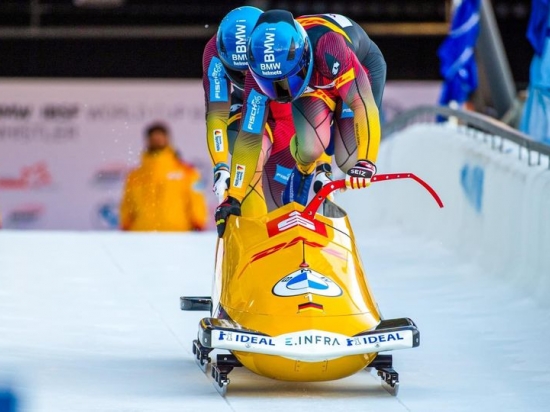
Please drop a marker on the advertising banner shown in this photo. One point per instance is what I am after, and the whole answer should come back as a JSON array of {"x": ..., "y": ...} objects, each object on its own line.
[{"x": 66, "y": 146}]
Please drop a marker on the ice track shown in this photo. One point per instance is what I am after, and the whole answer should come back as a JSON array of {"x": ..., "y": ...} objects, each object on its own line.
[{"x": 91, "y": 322}]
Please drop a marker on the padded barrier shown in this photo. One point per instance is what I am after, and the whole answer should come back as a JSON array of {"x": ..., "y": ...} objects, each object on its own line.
[{"x": 497, "y": 207}]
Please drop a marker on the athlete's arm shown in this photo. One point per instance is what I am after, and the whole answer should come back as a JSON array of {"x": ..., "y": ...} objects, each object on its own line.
[
  {"x": 217, "y": 96},
  {"x": 337, "y": 61},
  {"x": 248, "y": 144}
]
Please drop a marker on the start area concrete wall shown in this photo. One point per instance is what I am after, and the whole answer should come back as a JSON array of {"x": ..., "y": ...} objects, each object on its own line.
[{"x": 497, "y": 207}]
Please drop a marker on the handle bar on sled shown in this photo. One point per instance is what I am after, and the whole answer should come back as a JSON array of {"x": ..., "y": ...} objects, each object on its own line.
[{"x": 327, "y": 189}]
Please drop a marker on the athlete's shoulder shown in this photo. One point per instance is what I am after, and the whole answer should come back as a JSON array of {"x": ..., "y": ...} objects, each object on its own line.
[
  {"x": 210, "y": 52},
  {"x": 332, "y": 55},
  {"x": 210, "y": 49}
]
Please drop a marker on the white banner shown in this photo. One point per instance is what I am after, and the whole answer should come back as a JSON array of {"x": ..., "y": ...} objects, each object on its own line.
[{"x": 66, "y": 145}]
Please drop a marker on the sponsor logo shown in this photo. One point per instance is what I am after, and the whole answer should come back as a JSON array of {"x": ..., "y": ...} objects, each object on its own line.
[
  {"x": 346, "y": 111},
  {"x": 374, "y": 339},
  {"x": 295, "y": 219},
  {"x": 305, "y": 281},
  {"x": 295, "y": 241},
  {"x": 471, "y": 180},
  {"x": 335, "y": 67},
  {"x": 344, "y": 78},
  {"x": 302, "y": 344},
  {"x": 312, "y": 339},
  {"x": 24, "y": 215},
  {"x": 26, "y": 132},
  {"x": 60, "y": 112},
  {"x": 216, "y": 73},
  {"x": 239, "y": 176},
  {"x": 280, "y": 246},
  {"x": 110, "y": 174},
  {"x": 282, "y": 174},
  {"x": 245, "y": 338},
  {"x": 270, "y": 69},
  {"x": 218, "y": 83},
  {"x": 138, "y": 112},
  {"x": 35, "y": 176},
  {"x": 106, "y": 216},
  {"x": 239, "y": 58},
  {"x": 256, "y": 103},
  {"x": 235, "y": 107},
  {"x": 254, "y": 110},
  {"x": 341, "y": 20},
  {"x": 358, "y": 172},
  {"x": 269, "y": 43},
  {"x": 14, "y": 111},
  {"x": 218, "y": 140}
]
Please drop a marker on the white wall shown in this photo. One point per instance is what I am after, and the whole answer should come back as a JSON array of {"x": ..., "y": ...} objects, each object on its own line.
[{"x": 497, "y": 208}]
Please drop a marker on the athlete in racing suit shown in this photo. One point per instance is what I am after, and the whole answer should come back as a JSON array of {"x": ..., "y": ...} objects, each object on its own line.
[
  {"x": 332, "y": 72},
  {"x": 224, "y": 69}
]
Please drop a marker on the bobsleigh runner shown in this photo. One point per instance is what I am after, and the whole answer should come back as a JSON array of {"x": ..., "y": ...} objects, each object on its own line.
[{"x": 290, "y": 299}]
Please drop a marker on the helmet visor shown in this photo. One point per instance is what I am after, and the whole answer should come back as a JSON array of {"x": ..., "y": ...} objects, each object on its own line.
[
  {"x": 292, "y": 85},
  {"x": 284, "y": 90}
]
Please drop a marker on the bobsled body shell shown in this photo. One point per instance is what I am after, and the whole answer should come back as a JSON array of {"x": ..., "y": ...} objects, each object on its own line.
[{"x": 261, "y": 288}]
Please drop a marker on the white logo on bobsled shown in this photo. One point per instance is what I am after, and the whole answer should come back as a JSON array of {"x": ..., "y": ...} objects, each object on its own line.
[
  {"x": 306, "y": 281},
  {"x": 295, "y": 219}
]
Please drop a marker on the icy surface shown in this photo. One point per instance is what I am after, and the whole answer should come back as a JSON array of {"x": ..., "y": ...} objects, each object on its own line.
[{"x": 91, "y": 322}]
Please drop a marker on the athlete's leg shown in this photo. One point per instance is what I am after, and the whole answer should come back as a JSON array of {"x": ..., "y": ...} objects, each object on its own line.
[
  {"x": 312, "y": 119},
  {"x": 345, "y": 144},
  {"x": 280, "y": 164},
  {"x": 234, "y": 121},
  {"x": 254, "y": 202}
]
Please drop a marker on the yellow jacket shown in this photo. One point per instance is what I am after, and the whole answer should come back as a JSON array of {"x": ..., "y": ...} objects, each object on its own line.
[{"x": 163, "y": 194}]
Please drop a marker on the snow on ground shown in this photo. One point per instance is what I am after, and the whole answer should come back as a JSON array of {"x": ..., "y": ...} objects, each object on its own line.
[{"x": 91, "y": 322}]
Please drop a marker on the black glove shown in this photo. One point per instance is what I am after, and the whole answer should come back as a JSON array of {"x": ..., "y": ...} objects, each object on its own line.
[
  {"x": 230, "y": 206},
  {"x": 359, "y": 175}
]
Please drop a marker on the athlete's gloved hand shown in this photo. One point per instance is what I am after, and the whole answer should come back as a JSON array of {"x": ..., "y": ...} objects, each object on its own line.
[
  {"x": 359, "y": 175},
  {"x": 323, "y": 175},
  {"x": 230, "y": 206},
  {"x": 221, "y": 181}
]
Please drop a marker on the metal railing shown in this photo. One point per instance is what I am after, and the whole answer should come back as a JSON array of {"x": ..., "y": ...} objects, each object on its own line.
[{"x": 492, "y": 129}]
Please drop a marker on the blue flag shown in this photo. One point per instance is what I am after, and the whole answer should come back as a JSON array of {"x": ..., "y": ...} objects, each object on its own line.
[
  {"x": 458, "y": 65},
  {"x": 537, "y": 30}
]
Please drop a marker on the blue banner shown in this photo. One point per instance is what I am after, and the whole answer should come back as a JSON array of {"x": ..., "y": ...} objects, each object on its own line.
[
  {"x": 537, "y": 31},
  {"x": 456, "y": 54}
]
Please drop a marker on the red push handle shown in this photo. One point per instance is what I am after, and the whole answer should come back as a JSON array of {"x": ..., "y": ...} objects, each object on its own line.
[{"x": 327, "y": 189}]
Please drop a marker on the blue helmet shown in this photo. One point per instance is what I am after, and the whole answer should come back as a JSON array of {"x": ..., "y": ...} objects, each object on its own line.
[
  {"x": 233, "y": 35},
  {"x": 280, "y": 56}
]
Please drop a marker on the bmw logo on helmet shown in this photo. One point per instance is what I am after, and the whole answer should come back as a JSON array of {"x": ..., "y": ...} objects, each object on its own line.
[
  {"x": 233, "y": 34},
  {"x": 280, "y": 56}
]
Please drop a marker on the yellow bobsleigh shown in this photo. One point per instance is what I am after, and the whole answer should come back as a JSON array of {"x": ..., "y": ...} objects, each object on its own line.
[{"x": 291, "y": 300}]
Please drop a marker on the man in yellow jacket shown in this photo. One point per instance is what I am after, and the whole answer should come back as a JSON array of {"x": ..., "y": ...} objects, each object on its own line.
[{"x": 163, "y": 193}]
